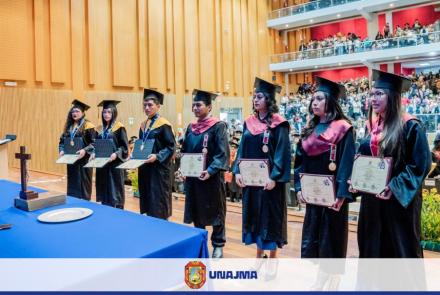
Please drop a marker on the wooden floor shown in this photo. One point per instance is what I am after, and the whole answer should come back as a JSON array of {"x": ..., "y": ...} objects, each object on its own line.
[{"x": 234, "y": 248}]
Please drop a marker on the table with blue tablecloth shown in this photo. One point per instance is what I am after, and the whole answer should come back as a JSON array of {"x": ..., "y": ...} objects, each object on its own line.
[{"x": 108, "y": 233}]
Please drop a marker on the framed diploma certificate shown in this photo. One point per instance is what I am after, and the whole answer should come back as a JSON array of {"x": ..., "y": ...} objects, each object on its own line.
[
  {"x": 254, "y": 172},
  {"x": 318, "y": 189},
  {"x": 370, "y": 174},
  {"x": 68, "y": 159},
  {"x": 192, "y": 165}
]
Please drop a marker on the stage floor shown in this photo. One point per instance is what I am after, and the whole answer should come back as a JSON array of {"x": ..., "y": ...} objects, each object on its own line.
[{"x": 234, "y": 248}]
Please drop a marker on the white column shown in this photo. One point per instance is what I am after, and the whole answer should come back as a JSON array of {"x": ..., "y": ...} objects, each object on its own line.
[{"x": 372, "y": 27}]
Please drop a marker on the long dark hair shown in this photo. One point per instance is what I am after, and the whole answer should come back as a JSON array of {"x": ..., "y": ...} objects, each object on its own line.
[
  {"x": 392, "y": 134},
  {"x": 114, "y": 112},
  {"x": 271, "y": 106},
  {"x": 70, "y": 121},
  {"x": 333, "y": 111}
]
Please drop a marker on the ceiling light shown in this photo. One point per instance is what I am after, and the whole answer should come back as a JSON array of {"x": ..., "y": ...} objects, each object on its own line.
[
  {"x": 391, "y": 4},
  {"x": 311, "y": 20},
  {"x": 287, "y": 26},
  {"x": 291, "y": 70},
  {"x": 338, "y": 15},
  {"x": 432, "y": 53},
  {"x": 397, "y": 57},
  {"x": 316, "y": 67},
  {"x": 425, "y": 64},
  {"x": 340, "y": 64}
]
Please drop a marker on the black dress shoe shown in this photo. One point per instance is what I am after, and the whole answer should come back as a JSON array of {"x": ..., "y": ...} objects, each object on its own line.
[{"x": 217, "y": 252}]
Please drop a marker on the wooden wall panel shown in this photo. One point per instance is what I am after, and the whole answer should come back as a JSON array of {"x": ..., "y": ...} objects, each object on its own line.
[
  {"x": 238, "y": 48},
  {"x": 100, "y": 44},
  {"x": 124, "y": 45},
  {"x": 142, "y": 42},
  {"x": 78, "y": 51},
  {"x": 16, "y": 40},
  {"x": 60, "y": 45},
  {"x": 192, "y": 52},
  {"x": 179, "y": 55},
  {"x": 207, "y": 45},
  {"x": 96, "y": 49},
  {"x": 228, "y": 47},
  {"x": 169, "y": 23},
  {"x": 157, "y": 44}
]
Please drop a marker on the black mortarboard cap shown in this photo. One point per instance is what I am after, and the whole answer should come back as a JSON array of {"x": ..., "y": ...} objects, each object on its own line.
[
  {"x": 205, "y": 96},
  {"x": 80, "y": 105},
  {"x": 335, "y": 90},
  {"x": 390, "y": 81},
  {"x": 106, "y": 103},
  {"x": 261, "y": 85},
  {"x": 157, "y": 95}
]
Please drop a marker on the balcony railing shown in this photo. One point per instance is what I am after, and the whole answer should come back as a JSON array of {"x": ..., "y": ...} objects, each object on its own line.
[
  {"x": 347, "y": 47},
  {"x": 306, "y": 7}
]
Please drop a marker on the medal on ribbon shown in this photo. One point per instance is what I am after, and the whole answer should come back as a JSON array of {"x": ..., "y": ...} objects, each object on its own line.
[
  {"x": 332, "y": 166},
  {"x": 265, "y": 147},
  {"x": 205, "y": 144}
]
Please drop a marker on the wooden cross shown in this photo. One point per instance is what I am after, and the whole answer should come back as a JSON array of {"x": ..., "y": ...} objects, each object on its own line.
[{"x": 24, "y": 193}]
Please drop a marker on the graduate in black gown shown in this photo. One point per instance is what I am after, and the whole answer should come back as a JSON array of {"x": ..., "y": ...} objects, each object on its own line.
[
  {"x": 205, "y": 196},
  {"x": 155, "y": 175},
  {"x": 389, "y": 223},
  {"x": 110, "y": 180},
  {"x": 326, "y": 148},
  {"x": 265, "y": 136},
  {"x": 435, "y": 153},
  {"x": 79, "y": 179}
]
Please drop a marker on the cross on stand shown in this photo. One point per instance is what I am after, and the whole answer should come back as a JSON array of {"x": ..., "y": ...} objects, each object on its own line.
[{"x": 24, "y": 193}]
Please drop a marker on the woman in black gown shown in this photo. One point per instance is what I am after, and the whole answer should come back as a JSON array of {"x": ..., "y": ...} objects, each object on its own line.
[
  {"x": 110, "y": 180},
  {"x": 389, "y": 223},
  {"x": 78, "y": 130},
  {"x": 265, "y": 136},
  {"x": 326, "y": 148}
]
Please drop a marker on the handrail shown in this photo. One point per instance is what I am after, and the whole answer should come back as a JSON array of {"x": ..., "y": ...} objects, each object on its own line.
[
  {"x": 306, "y": 7},
  {"x": 350, "y": 47}
]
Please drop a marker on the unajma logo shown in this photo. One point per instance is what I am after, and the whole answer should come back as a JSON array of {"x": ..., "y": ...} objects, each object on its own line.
[{"x": 195, "y": 274}]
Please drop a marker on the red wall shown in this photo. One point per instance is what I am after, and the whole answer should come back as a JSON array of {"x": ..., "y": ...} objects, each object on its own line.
[
  {"x": 425, "y": 14},
  {"x": 357, "y": 26},
  {"x": 408, "y": 71},
  {"x": 343, "y": 74},
  {"x": 397, "y": 68},
  {"x": 381, "y": 20}
]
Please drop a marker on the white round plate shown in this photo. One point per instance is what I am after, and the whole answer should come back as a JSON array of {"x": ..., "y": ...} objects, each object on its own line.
[{"x": 65, "y": 215}]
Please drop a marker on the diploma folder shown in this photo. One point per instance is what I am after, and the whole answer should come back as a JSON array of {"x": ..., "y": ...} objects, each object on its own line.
[
  {"x": 104, "y": 148},
  {"x": 141, "y": 152}
]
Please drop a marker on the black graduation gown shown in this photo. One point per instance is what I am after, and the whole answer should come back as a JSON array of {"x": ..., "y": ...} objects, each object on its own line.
[
  {"x": 325, "y": 231},
  {"x": 110, "y": 180},
  {"x": 79, "y": 179},
  {"x": 205, "y": 201},
  {"x": 155, "y": 190},
  {"x": 265, "y": 212},
  {"x": 436, "y": 170},
  {"x": 391, "y": 228}
]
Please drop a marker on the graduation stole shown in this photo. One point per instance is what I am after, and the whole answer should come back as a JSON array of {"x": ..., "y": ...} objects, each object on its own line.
[
  {"x": 158, "y": 123},
  {"x": 256, "y": 126},
  {"x": 317, "y": 144},
  {"x": 376, "y": 132},
  {"x": 202, "y": 126},
  {"x": 116, "y": 126}
]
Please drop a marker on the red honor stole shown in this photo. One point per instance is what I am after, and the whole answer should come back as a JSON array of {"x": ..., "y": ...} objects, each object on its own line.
[
  {"x": 317, "y": 144},
  {"x": 256, "y": 126},
  {"x": 201, "y": 126}
]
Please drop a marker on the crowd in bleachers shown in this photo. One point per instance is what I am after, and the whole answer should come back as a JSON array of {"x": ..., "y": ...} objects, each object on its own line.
[
  {"x": 422, "y": 100},
  {"x": 341, "y": 43}
]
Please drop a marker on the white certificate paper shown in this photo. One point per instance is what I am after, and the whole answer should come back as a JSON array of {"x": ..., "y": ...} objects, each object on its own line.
[
  {"x": 318, "y": 189},
  {"x": 255, "y": 172},
  {"x": 97, "y": 163},
  {"x": 192, "y": 165},
  {"x": 68, "y": 159},
  {"x": 370, "y": 174}
]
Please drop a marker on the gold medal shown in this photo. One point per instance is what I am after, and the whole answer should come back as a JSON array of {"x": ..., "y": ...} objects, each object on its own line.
[
  {"x": 332, "y": 166},
  {"x": 205, "y": 150},
  {"x": 265, "y": 149},
  {"x": 72, "y": 143}
]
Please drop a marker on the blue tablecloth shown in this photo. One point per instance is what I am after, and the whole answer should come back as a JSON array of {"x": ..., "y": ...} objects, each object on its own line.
[{"x": 108, "y": 233}]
